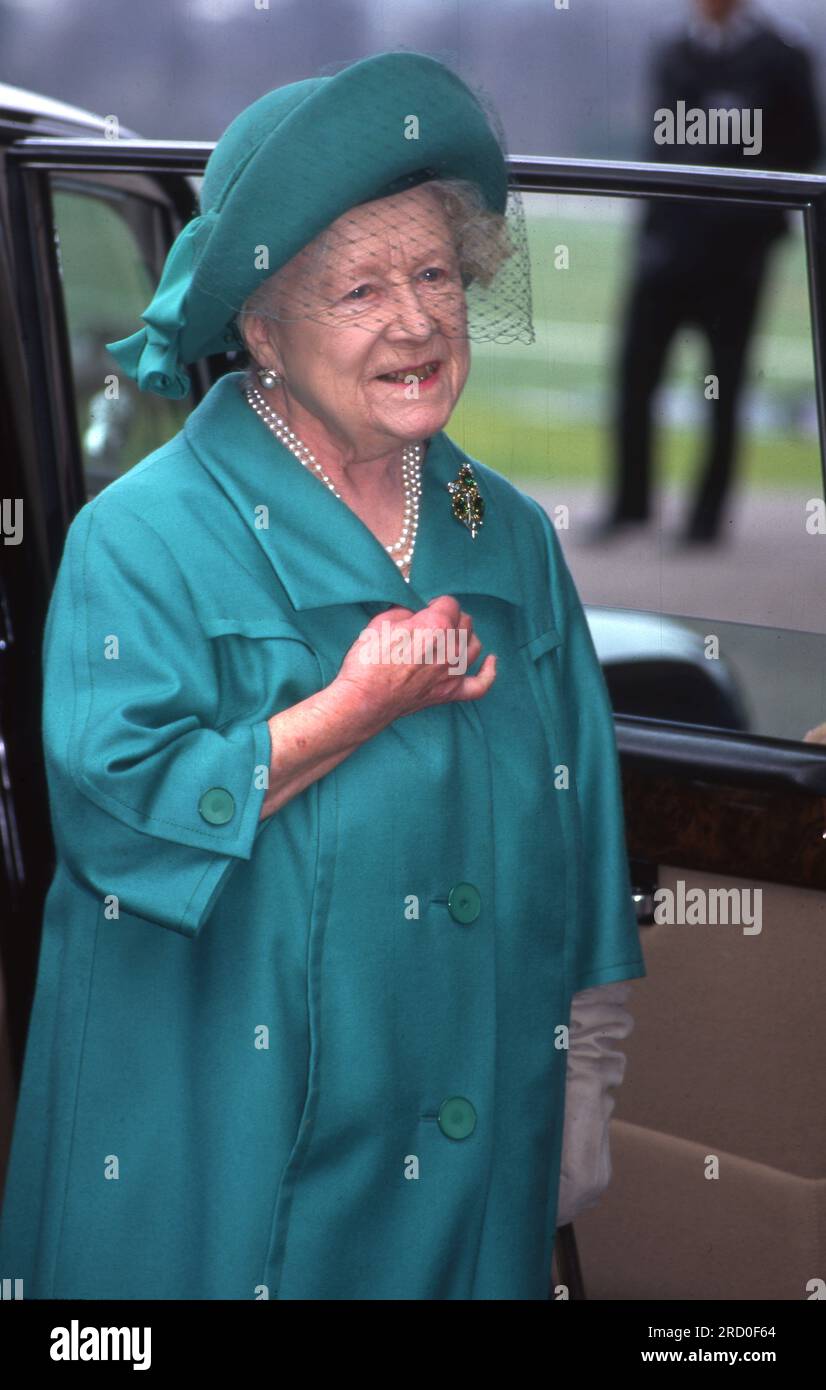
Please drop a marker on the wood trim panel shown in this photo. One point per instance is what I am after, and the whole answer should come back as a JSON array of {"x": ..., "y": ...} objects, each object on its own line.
[{"x": 772, "y": 835}]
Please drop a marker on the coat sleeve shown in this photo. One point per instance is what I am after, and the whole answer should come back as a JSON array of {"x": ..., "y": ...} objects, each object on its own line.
[
  {"x": 149, "y": 801},
  {"x": 604, "y": 943}
]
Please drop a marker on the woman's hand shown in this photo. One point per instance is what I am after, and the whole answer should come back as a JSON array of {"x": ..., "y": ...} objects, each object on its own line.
[
  {"x": 314, "y": 736},
  {"x": 417, "y": 660}
]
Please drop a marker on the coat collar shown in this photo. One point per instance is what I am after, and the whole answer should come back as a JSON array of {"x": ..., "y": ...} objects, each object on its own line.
[{"x": 320, "y": 549}]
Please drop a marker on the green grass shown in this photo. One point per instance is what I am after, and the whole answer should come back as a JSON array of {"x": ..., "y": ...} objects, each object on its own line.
[
  {"x": 564, "y": 383},
  {"x": 533, "y": 451}
]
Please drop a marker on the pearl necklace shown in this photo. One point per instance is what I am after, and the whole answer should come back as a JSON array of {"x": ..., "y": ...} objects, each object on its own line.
[{"x": 411, "y": 474}]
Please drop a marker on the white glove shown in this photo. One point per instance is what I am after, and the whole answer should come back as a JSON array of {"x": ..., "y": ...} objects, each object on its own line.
[{"x": 598, "y": 1015}]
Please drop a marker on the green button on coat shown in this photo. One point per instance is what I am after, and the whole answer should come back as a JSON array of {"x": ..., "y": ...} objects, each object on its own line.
[
  {"x": 217, "y": 806},
  {"x": 464, "y": 903},
  {"x": 457, "y": 1117}
]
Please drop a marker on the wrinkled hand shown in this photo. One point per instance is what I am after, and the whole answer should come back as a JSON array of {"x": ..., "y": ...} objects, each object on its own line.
[{"x": 416, "y": 664}]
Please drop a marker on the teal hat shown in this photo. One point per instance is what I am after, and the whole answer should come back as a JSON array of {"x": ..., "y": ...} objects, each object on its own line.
[{"x": 284, "y": 169}]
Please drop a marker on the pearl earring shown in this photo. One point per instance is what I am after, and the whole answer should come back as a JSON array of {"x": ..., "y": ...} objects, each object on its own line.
[{"x": 268, "y": 377}]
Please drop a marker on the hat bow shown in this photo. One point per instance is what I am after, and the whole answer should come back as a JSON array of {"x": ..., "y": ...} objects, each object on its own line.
[{"x": 153, "y": 355}]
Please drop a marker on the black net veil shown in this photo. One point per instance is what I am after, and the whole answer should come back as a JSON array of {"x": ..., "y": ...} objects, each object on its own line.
[{"x": 425, "y": 247}]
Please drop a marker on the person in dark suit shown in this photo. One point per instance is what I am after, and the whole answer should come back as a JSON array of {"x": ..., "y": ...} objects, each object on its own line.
[{"x": 704, "y": 263}]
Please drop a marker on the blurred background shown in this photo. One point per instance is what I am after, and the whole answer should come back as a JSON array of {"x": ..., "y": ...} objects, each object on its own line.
[{"x": 567, "y": 81}]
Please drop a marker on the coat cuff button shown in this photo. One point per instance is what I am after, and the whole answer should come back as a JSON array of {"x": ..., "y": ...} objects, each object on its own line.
[{"x": 217, "y": 806}]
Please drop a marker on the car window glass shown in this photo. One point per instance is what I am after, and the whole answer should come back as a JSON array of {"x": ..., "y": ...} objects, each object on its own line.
[
  {"x": 108, "y": 241},
  {"x": 728, "y": 632}
]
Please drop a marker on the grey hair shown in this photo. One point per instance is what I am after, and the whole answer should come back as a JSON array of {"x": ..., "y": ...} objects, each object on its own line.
[{"x": 480, "y": 237}]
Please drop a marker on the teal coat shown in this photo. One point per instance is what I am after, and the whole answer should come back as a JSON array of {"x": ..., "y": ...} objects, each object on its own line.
[{"x": 295, "y": 1058}]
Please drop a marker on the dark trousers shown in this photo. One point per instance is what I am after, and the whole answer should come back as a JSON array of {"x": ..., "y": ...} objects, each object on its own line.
[{"x": 722, "y": 302}]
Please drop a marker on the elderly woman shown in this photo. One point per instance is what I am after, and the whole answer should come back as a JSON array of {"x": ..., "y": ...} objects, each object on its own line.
[{"x": 330, "y": 905}]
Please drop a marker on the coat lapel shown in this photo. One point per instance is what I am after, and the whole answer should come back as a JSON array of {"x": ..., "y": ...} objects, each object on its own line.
[{"x": 322, "y": 552}]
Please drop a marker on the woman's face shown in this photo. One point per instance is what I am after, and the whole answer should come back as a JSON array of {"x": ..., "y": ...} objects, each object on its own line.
[{"x": 380, "y": 291}]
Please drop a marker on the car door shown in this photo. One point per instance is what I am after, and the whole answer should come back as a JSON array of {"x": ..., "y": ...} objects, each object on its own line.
[{"x": 716, "y": 663}]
